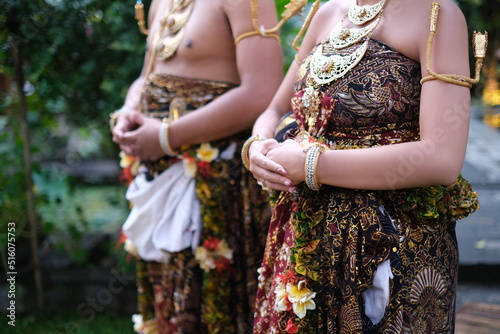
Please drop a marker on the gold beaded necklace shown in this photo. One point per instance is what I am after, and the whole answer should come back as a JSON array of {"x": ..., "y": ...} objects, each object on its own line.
[
  {"x": 172, "y": 24},
  {"x": 325, "y": 69}
]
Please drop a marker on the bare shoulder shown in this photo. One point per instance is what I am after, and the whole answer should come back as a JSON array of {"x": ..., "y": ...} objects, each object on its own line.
[
  {"x": 405, "y": 26},
  {"x": 329, "y": 14},
  {"x": 451, "y": 42}
]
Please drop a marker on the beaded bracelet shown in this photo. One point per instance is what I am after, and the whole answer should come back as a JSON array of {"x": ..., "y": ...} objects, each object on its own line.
[
  {"x": 163, "y": 138},
  {"x": 246, "y": 146},
  {"x": 310, "y": 167}
]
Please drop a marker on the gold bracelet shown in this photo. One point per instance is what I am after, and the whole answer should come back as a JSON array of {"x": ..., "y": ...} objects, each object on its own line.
[
  {"x": 113, "y": 117},
  {"x": 311, "y": 163},
  {"x": 246, "y": 147}
]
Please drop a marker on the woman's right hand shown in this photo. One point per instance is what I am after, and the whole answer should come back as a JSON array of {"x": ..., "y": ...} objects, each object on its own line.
[{"x": 268, "y": 173}]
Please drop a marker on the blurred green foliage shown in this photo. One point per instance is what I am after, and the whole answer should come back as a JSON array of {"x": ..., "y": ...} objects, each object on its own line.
[
  {"x": 79, "y": 57},
  {"x": 105, "y": 323}
]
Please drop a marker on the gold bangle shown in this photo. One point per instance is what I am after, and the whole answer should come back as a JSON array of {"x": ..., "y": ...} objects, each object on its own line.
[
  {"x": 163, "y": 138},
  {"x": 311, "y": 163},
  {"x": 113, "y": 117},
  {"x": 246, "y": 147}
]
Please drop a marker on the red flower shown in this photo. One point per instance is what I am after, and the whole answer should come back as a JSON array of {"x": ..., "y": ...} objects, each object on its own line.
[
  {"x": 120, "y": 241},
  {"x": 126, "y": 176},
  {"x": 288, "y": 276},
  {"x": 211, "y": 243},
  {"x": 204, "y": 169},
  {"x": 221, "y": 264},
  {"x": 291, "y": 327}
]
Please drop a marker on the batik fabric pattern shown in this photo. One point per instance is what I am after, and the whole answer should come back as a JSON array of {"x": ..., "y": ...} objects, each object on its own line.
[
  {"x": 210, "y": 289},
  {"x": 324, "y": 247}
]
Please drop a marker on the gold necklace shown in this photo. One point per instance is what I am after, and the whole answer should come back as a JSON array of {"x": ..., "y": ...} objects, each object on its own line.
[
  {"x": 173, "y": 24},
  {"x": 361, "y": 14},
  {"x": 343, "y": 37},
  {"x": 325, "y": 69}
]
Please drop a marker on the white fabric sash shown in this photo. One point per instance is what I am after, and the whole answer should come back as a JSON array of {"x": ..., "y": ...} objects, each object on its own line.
[{"x": 165, "y": 215}]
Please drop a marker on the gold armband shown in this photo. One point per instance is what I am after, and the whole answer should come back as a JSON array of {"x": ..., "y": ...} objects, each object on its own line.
[
  {"x": 479, "y": 42},
  {"x": 291, "y": 9}
]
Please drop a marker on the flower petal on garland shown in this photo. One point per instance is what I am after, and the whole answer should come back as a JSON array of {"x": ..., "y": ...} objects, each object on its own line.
[
  {"x": 207, "y": 153},
  {"x": 301, "y": 298}
]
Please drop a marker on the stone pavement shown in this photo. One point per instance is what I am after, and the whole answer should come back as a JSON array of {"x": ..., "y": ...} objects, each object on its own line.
[{"x": 479, "y": 235}]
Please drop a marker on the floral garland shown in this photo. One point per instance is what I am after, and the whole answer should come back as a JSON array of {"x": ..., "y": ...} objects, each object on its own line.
[
  {"x": 144, "y": 327},
  {"x": 439, "y": 202},
  {"x": 296, "y": 287},
  {"x": 214, "y": 255},
  {"x": 130, "y": 168}
]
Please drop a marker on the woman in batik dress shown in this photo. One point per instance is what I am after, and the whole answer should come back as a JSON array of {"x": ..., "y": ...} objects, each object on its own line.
[{"x": 366, "y": 177}]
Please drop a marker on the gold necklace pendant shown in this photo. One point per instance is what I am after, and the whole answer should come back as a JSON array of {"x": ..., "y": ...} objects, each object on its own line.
[
  {"x": 176, "y": 21},
  {"x": 359, "y": 15},
  {"x": 168, "y": 45},
  {"x": 325, "y": 69},
  {"x": 343, "y": 37},
  {"x": 173, "y": 24}
]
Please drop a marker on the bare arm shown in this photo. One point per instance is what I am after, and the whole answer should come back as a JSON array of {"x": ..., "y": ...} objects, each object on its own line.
[
  {"x": 260, "y": 70},
  {"x": 131, "y": 104}
]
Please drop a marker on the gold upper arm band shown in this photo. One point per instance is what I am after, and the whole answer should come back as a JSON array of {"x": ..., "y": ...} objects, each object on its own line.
[
  {"x": 295, "y": 43},
  {"x": 291, "y": 9},
  {"x": 479, "y": 43}
]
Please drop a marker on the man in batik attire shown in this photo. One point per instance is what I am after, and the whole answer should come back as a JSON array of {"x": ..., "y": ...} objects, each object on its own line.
[{"x": 193, "y": 105}]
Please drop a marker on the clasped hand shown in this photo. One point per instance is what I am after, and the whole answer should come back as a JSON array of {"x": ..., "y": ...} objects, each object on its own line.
[
  {"x": 278, "y": 166},
  {"x": 137, "y": 135}
]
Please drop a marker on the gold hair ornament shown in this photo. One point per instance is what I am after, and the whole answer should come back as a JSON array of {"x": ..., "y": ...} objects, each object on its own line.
[
  {"x": 139, "y": 16},
  {"x": 479, "y": 43},
  {"x": 291, "y": 9}
]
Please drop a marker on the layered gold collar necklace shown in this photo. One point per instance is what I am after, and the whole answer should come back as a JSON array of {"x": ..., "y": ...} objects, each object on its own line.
[{"x": 325, "y": 69}]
